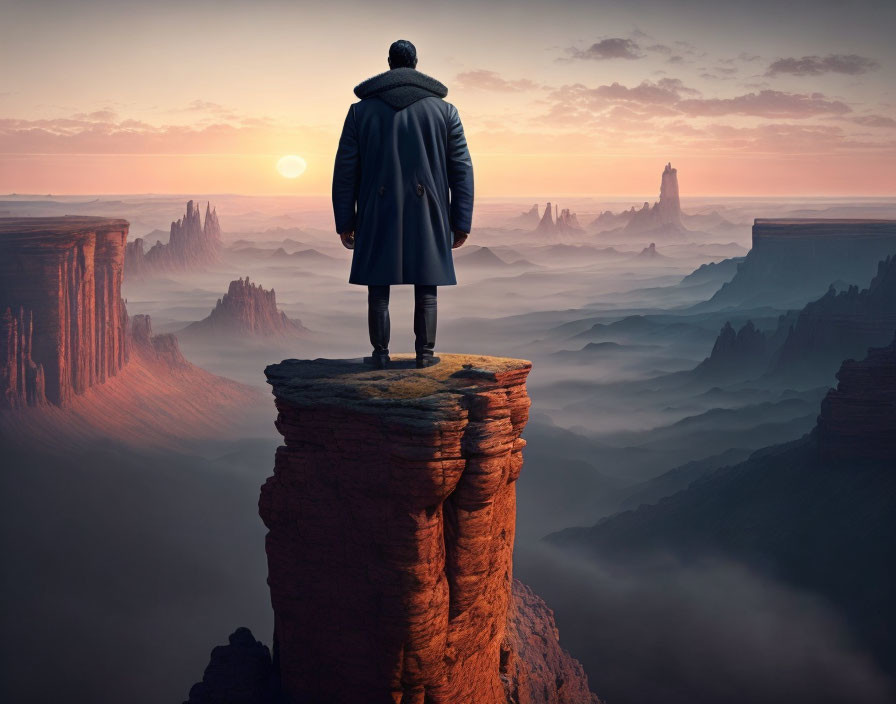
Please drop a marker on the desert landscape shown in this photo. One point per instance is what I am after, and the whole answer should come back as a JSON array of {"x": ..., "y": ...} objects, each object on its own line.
[{"x": 676, "y": 349}]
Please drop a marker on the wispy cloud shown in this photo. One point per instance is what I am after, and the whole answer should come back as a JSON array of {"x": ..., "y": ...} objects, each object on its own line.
[
  {"x": 611, "y": 48},
  {"x": 677, "y": 98},
  {"x": 849, "y": 64},
  {"x": 874, "y": 121},
  {"x": 482, "y": 79}
]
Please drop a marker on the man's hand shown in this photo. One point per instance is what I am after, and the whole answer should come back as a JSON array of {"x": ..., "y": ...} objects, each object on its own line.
[
  {"x": 459, "y": 238},
  {"x": 348, "y": 239}
]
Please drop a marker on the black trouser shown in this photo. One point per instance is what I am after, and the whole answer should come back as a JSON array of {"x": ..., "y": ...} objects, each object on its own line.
[{"x": 424, "y": 319}]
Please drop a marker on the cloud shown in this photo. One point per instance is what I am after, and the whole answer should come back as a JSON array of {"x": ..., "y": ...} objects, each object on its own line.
[
  {"x": 680, "y": 99},
  {"x": 482, "y": 79},
  {"x": 874, "y": 121},
  {"x": 612, "y": 48},
  {"x": 105, "y": 115},
  {"x": 850, "y": 64},
  {"x": 246, "y": 135},
  {"x": 765, "y": 103}
]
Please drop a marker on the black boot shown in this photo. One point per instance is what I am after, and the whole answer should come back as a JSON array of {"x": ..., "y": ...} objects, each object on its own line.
[
  {"x": 425, "y": 325},
  {"x": 378, "y": 325}
]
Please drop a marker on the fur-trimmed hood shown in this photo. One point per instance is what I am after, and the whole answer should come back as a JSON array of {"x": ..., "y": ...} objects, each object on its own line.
[{"x": 400, "y": 87}]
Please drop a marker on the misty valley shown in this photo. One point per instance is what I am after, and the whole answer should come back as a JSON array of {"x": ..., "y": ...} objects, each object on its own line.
[{"x": 706, "y": 499}]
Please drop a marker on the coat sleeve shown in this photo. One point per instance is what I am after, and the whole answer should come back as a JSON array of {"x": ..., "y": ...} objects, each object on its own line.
[
  {"x": 346, "y": 175},
  {"x": 460, "y": 174}
]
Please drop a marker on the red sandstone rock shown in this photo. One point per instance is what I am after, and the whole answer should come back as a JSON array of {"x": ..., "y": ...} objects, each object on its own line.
[
  {"x": 391, "y": 518},
  {"x": 535, "y": 669},
  {"x": 64, "y": 275},
  {"x": 247, "y": 308},
  {"x": 162, "y": 349},
  {"x": 21, "y": 378},
  {"x": 192, "y": 244}
]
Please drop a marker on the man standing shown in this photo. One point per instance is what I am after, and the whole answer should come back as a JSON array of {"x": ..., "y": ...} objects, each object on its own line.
[{"x": 402, "y": 195}]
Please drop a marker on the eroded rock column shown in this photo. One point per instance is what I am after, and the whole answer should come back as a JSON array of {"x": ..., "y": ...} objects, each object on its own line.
[{"x": 391, "y": 518}]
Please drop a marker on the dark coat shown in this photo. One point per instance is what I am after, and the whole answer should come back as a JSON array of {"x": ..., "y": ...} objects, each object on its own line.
[{"x": 403, "y": 180}]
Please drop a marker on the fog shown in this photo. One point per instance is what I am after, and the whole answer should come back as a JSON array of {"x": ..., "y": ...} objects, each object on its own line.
[{"x": 126, "y": 564}]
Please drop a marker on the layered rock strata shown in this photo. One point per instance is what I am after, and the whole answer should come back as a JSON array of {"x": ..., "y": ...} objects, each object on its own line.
[
  {"x": 391, "y": 517},
  {"x": 63, "y": 320}
]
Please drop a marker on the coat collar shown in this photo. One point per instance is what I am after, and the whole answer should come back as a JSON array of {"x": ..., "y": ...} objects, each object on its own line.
[{"x": 400, "y": 87}]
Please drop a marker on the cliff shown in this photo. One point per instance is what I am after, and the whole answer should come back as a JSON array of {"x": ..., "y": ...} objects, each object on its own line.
[
  {"x": 63, "y": 320},
  {"x": 191, "y": 244},
  {"x": 858, "y": 418},
  {"x": 794, "y": 261},
  {"x": 391, "y": 517},
  {"x": 839, "y": 326},
  {"x": 247, "y": 308}
]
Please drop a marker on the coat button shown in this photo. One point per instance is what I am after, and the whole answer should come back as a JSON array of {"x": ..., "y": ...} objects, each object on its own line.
[
  {"x": 419, "y": 189},
  {"x": 382, "y": 190}
]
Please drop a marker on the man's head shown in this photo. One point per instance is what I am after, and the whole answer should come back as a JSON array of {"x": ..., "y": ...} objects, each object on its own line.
[{"x": 402, "y": 54}]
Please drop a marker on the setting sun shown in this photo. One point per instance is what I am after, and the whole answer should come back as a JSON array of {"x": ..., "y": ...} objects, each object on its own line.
[{"x": 291, "y": 166}]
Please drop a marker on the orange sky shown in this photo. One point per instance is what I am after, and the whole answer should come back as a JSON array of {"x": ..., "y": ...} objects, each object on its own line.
[{"x": 563, "y": 98}]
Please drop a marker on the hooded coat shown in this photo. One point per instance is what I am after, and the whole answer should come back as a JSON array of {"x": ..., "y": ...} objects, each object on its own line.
[{"x": 402, "y": 180}]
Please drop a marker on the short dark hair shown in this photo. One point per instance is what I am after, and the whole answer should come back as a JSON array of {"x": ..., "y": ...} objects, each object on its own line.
[{"x": 402, "y": 54}]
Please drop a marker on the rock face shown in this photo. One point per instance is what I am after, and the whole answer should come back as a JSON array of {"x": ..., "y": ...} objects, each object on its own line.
[
  {"x": 665, "y": 214},
  {"x": 248, "y": 309},
  {"x": 839, "y": 326},
  {"x": 63, "y": 320},
  {"x": 858, "y": 418},
  {"x": 794, "y": 261},
  {"x": 537, "y": 670},
  {"x": 192, "y": 244},
  {"x": 21, "y": 378},
  {"x": 391, "y": 517}
]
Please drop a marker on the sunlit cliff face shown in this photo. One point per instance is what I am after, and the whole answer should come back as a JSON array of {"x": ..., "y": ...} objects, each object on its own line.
[{"x": 566, "y": 97}]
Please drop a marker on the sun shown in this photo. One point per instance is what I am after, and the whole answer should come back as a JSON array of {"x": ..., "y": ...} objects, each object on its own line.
[{"x": 291, "y": 166}]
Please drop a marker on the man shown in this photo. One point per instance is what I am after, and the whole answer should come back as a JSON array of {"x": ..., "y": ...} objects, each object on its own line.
[{"x": 402, "y": 195}]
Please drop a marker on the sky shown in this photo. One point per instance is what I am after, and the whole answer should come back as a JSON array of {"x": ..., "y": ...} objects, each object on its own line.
[{"x": 561, "y": 97}]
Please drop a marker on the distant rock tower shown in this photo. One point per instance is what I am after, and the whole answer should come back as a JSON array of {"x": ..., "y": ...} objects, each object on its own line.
[
  {"x": 665, "y": 215},
  {"x": 669, "y": 206},
  {"x": 547, "y": 220}
]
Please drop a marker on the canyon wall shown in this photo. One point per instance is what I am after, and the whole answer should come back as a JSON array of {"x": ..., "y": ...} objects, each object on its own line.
[
  {"x": 391, "y": 517},
  {"x": 63, "y": 320},
  {"x": 192, "y": 244},
  {"x": 794, "y": 261}
]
